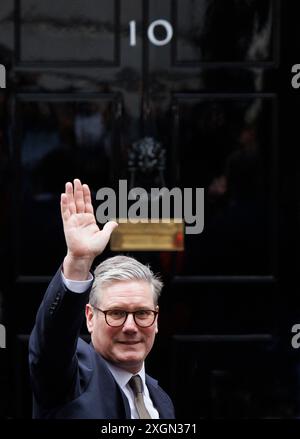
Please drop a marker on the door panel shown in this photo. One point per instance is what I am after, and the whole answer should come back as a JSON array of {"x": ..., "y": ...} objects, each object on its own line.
[
  {"x": 60, "y": 137},
  {"x": 227, "y": 144},
  {"x": 68, "y": 32},
  {"x": 217, "y": 32}
]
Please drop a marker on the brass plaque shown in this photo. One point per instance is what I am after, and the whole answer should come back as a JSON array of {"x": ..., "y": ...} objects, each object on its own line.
[{"x": 158, "y": 236}]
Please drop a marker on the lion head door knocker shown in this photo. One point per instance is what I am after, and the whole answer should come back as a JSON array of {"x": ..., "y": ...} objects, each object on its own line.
[{"x": 146, "y": 164}]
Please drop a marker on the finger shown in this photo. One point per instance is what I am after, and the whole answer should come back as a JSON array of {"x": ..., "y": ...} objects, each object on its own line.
[
  {"x": 78, "y": 196},
  {"x": 64, "y": 207},
  {"x": 109, "y": 227},
  {"x": 87, "y": 199},
  {"x": 107, "y": 231},
  {"x": 70, "y": 198}
]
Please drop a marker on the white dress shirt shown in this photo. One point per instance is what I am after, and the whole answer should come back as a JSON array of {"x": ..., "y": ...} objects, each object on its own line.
[
  {"x": 77, "y": 286},
  {"x": 121, "y": 376}
]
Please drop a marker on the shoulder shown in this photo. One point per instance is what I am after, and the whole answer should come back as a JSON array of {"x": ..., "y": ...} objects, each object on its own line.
[
  {"x": 154, "y": 386},
  {"x": 88, "y": 358}
]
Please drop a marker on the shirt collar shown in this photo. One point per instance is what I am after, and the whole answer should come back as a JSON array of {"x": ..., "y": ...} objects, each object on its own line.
[{"x": 122, "y": 376}]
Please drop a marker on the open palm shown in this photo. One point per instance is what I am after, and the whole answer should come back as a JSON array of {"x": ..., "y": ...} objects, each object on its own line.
[{"x": 83, "y": 237}]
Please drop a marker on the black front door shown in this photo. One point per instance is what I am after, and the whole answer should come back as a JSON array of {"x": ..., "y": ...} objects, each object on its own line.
[{"x": 209, "y": 82}]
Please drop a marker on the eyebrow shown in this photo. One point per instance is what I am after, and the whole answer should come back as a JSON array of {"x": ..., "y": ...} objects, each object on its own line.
[{"x": 120, "y": 308}]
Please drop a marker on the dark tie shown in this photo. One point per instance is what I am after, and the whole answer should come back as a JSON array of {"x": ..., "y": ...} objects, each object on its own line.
[{"x": 135, "y": 383}]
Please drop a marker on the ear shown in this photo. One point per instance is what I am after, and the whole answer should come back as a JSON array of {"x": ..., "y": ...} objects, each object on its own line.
[{"x": 89, "y": 315}]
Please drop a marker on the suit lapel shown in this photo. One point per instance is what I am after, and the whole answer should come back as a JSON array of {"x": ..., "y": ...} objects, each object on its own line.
[{"x": 156, "y": 396}]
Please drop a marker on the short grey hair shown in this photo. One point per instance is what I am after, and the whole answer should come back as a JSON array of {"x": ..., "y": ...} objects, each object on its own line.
[{"x": 122, "y": 268}]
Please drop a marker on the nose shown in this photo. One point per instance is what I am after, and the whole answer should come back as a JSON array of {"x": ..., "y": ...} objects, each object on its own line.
[{"x": 130, "y": 325}]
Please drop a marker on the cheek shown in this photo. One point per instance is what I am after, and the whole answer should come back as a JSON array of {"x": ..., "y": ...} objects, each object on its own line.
[
  {"x": 108, "y": 334},
  {"x": 102, "y": 332},
  {"x": 102, "y": 339},
  {"x": 150, "y": 335}
]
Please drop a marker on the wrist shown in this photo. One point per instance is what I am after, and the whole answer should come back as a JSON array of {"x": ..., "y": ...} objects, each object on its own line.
[{"x": 77, "y": 268}]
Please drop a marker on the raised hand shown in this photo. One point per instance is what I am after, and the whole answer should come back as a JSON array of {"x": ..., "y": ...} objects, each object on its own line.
[{"x": 83, "y": 237}]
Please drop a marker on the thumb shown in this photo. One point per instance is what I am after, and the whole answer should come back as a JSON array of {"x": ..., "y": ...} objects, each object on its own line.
[{"x": 109, "y": 228}]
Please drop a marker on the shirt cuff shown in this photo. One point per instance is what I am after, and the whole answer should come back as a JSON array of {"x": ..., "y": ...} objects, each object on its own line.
[{"x": 77, "y": 286}]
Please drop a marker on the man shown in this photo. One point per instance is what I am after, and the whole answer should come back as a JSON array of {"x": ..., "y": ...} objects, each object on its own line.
[{"x": 74, "y": 379}]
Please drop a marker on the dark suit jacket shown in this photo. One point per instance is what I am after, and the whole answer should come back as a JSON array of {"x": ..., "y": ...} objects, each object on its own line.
[{"x": 69, "y": 378}]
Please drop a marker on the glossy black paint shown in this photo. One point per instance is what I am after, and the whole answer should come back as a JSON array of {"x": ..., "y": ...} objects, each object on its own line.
[{"x": 218, "y": 98}]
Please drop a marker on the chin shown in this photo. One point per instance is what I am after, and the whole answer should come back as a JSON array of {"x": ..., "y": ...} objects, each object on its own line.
[
  {"x": 130, "y": 358},
  {"x": 132, "y": 365},
  {"x": 130, "y": 355}
]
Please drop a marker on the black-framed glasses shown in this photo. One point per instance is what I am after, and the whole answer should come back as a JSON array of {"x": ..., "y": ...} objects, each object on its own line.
[{"x": 117, "y": 317}]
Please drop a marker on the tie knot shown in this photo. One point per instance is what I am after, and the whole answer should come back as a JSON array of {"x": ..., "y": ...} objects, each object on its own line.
[{"x": 135, "y": 383}]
